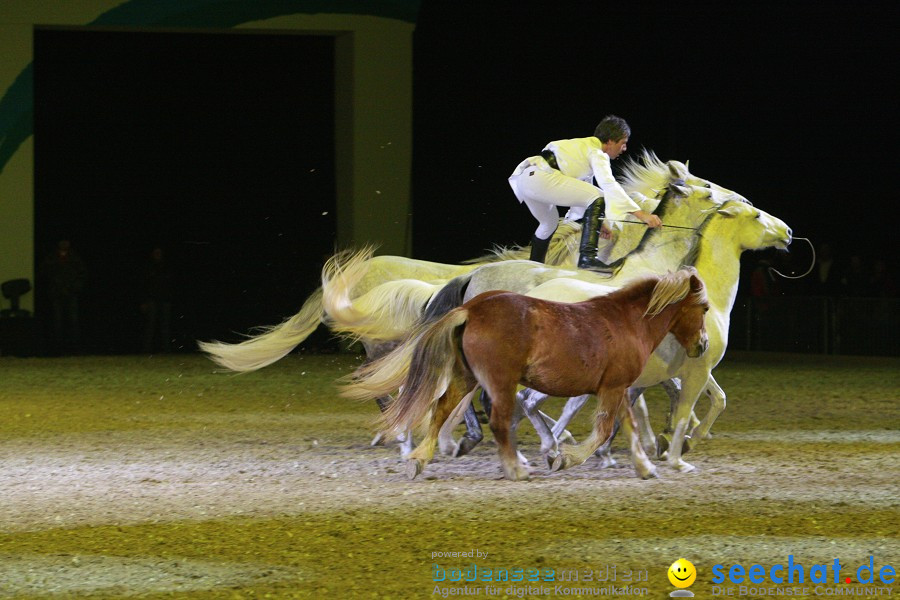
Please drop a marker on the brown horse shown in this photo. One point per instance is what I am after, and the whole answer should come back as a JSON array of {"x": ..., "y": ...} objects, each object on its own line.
[{"x": 501, "y": 339}]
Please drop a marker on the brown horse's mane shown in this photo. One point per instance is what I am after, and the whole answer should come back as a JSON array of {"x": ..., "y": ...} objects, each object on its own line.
[{"x": 662, "y": 289}]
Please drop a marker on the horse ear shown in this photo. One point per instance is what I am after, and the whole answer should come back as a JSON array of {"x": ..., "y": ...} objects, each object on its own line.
[
  {"x": 677, "y": 170},
  {"x": 679, "y": 188},
  {"x": 696, "y": 284},
  {"x": 729, "y": 210}
]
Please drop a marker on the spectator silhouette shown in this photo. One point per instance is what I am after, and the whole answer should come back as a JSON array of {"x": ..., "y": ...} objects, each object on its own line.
[
  {"x": 156, "y": 302},
  {"x": 826, "y": 274},
  {"x": 855, "y": 278},
  {"x": 64, "y": 274},
  {"x": 881, "y": 282},
  {"x": 762, "y": 283}
]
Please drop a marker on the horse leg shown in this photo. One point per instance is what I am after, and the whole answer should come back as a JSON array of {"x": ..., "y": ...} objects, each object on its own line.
[
  {"x": 691, "y": 386},
  {"x": 529, "y": 400},
  {"x": 672, "y": 388},
  {"x": 642, "y": 417},
  {"x": 424, "y": 452},
  {"x": 604, "y": 452},
  {"x": 716, "y": 406},
  {"x": 404, "y": 439},
  {"x": 502, "y": 408},
  {"x": 609, "y": 405},
  {"x": 382, "y": 403},
  {"x": 485, "y": 403},
  {"x": 473, "y": 435},
  {"x": 518, "y": 415},
  {"x": 573, "y": 405},
  {"x": 564, "y": 435},
  {"x": 642, "y": 465},
  {"x": 463, "y": 411}
]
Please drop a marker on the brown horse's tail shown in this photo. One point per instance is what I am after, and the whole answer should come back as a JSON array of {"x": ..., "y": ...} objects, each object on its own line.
[{"x": 436, "y": 354}]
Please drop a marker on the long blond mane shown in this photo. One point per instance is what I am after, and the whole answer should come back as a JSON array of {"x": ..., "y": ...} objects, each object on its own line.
[
  {"x": 646, "y": 174},
  {"x": 671, "y": 288}
]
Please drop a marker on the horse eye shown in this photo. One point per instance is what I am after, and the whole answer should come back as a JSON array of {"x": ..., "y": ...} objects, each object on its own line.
[{"x": 707, "y": 185}]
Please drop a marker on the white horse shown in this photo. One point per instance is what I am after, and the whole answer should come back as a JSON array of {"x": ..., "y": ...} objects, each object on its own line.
[
  {"x": 683, "y": 207},
  {"x": 736, "y": 227}
]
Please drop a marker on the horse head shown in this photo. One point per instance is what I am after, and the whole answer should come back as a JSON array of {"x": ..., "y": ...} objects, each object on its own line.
[
  {"x": 689, "y": 323},
  {"x": 754, "y": 229},
  {"x": 670, "y": 191},
  {"x": 720, "y": 193},
  {"x": 684, "y": 295}
]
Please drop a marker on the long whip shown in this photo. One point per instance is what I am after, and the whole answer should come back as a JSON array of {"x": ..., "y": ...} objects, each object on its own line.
[{"x": 645, "y": 225}]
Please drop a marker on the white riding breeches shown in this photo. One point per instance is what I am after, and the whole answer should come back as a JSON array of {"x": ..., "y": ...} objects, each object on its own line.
[{"x": 542, "y": 188}]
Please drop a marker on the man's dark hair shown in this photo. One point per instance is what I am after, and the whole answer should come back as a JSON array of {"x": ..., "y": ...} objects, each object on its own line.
[{"x": 612, "y": 129}]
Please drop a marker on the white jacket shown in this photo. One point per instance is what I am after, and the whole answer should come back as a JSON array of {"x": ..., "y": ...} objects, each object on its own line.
[{"x": 584, "y": 159}]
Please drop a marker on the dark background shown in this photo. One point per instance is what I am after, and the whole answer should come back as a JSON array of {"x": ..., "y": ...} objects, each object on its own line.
[
  {"x": 789, "y": 103},
  {"x": 183, "y": 140}
]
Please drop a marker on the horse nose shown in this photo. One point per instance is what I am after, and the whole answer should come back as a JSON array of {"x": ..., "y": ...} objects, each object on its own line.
[{"x": 790, "y": 235}]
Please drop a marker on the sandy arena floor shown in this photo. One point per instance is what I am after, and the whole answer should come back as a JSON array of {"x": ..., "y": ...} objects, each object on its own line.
[{"x": 157, "y": 478}]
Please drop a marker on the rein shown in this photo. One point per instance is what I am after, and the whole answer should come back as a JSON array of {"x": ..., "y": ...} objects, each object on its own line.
[
  {"x": 811, "y": 264},
  {"x": 645, "y": 225}
]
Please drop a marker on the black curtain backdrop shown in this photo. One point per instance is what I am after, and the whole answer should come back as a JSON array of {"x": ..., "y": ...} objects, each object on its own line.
[{"x": 216, "y": 147}]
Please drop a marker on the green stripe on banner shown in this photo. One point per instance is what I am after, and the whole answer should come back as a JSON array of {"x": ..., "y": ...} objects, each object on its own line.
[{"x": 17, "y": 104}]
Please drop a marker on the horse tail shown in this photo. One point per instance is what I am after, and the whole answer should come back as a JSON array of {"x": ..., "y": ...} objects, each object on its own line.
[
  {"x": 384, "y": 313},
  {"x": 451, "y": 296},
  {"x": 342, "y": 273},
  {"x": 273, "y": 344},
  {"x": 436, "y": 354},
  {"x": 429, "y": 342}
]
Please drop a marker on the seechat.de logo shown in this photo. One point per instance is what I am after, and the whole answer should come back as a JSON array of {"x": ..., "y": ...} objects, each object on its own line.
[{"x": 794, "y": 572}]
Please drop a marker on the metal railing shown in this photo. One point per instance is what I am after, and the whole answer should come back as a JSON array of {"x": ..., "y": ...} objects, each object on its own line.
[{"x": 817, "y": 324}]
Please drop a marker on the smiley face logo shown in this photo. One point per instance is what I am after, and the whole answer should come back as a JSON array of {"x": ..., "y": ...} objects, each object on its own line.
[{"x": 682, "y": 573}]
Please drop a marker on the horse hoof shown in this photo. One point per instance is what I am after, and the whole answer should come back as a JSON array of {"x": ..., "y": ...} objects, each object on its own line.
[
  {"x": 662, "y": 444},
  {"x": 550, "y": 456},
  {"x": 651, "y": 474},
  {"x": 413, "y": 468},
  {"x": 607, "y": 461},
  {"x": 683, "y": 467},
  {"x": 465, "y": 446},
  {"x": 520, "y": 475},
  {"x": 559, "y": 463}
]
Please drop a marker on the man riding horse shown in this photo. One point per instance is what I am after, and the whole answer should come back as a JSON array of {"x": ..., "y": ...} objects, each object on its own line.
[{"x": 562, "y": 176}]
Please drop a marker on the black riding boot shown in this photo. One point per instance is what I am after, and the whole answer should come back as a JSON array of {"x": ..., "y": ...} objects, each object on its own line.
[
  {"x": 590, "y": 236},
  {"x": 539, "y": 248}
]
